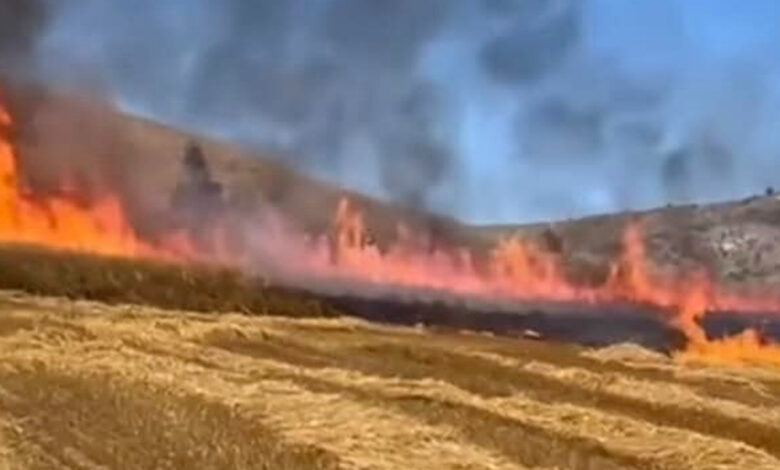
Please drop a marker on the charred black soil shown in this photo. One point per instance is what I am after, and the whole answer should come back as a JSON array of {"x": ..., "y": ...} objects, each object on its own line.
[{"x": 210, "y": 289}]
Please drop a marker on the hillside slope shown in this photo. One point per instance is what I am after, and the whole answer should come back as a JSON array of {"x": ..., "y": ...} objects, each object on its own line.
[
  {"x": 290, "y": 383},
  {"x": 75, "y": 135},
  {"x": 737, "y": 241}
]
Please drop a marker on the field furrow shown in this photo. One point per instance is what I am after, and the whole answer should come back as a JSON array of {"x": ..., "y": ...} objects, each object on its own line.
[{"x": 88, "y": 386}]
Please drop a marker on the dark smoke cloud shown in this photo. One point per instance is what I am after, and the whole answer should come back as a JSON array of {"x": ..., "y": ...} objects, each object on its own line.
[
  {"x": 510, "y": 105},
  {"x": 411, "y": 144},
  {"x": 538, "y": 40},
  {"x": 328, "y": 83},
  {"x": 589, "y": 110},
  {"x": 21, "y": 24},
  {"x": 241, "y": 61},
  {"x": 557, "y": 129},
  {"x": 382, "y": 34}
]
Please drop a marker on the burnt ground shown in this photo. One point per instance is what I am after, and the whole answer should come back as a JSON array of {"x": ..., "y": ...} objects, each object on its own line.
[
  {"x": 561, "y": 322},
  {"x": 587, "y": 325},
  {"x": 208, "y": 289}
]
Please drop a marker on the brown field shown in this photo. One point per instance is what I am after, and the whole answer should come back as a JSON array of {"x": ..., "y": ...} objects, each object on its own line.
[{"x": 89, "y": 386}]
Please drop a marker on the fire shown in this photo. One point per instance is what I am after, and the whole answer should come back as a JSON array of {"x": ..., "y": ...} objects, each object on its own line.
[
  {"x": 519, "y": 270},
  {"x": 515, "y": 269},
  {"x": 516, "y": 264},
  {"x": 744, "y": 348},
  {"x": 100, "y": 227},
  {"x": 689, "y": 300},
  {"x": 404, "y": 264}
]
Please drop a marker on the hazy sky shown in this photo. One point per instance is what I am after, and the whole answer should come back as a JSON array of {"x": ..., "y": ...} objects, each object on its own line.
[{"x": 582, "y": 107}]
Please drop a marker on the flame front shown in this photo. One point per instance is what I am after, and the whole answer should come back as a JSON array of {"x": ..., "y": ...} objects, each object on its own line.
[
  {"x": 100, "y": 227},
  {"x": 516, "y": 269},
  {"x": 519, "y": 270},
  {"x": 57, "y": 222}
]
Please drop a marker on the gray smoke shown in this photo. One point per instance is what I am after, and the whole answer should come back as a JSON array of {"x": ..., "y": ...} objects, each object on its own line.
[
  {"x": 330, "y": 84},
  {"x": 22, "y": 22},
  {"x": 500, "y": 110},
  {"x": 540, "y": 36}
]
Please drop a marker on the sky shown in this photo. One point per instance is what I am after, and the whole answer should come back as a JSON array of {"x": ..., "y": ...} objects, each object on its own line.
[{"x": 492, "y": 111}]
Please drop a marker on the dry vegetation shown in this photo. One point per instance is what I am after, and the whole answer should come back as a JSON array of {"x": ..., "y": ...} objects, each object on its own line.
[
  {"x": 280, "y": 380},
  {"x": 737, "y": 241},
  {"x": 85, "y": 385},
  {"x": 40, "y": 271},
  {"x": 88, "y": 385}
]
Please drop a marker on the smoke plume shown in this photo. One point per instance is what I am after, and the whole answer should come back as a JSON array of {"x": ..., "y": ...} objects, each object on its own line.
[
  {"x": 490, "y": 110},
  {"x": 22, "y": 22}
]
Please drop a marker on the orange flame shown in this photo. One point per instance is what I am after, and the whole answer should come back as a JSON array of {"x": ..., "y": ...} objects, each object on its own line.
[
  {"x": 517, "y": 269},
  {"x": 689, "y": 300},
  {"x": 58, "y": 222},
  {"x": 744, "y": 348}
]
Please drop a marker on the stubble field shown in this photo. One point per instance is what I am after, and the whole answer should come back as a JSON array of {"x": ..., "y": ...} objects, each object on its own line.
[
  {"x": 89, "y": 386},
  {"x": 187, "y": 367}
]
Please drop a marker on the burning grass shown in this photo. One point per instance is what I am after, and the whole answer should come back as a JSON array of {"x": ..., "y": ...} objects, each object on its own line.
[{"x": 514, "y": 270}]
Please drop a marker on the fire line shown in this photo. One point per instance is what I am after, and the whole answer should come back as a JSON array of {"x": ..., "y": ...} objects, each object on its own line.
[{"x": 518, "y": 270}]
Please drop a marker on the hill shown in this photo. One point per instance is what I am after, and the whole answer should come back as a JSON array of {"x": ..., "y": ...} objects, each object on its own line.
[
  {"x": 736, "y": 241},
  {"x": 70, "y": 133},
  {"x": 175, "y": 365}
]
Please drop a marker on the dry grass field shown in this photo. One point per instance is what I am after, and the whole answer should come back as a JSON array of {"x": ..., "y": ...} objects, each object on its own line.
[
  {"x": 89, "y": 386},
  {"x": 183, "y": 367}
]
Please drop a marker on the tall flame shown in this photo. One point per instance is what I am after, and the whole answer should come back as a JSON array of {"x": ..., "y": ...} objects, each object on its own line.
[
  {"x": 516, "y": 269},
  {"x": 520, "y": 270},
  {"x": 100, "y": 227}
]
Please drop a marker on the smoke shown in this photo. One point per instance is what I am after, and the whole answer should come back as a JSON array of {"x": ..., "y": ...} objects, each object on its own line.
[
  {"x": 359, "y": 29},
  {"x": 539, "y": 38},
  {"x": 86, "y": 153},
  {"x": 490, "y": 110},
  {"x": 87, "y": 158},
  {"x": 21, "y": 24}
]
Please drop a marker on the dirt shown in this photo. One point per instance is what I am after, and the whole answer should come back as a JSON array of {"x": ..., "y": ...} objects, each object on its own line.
[{"x": 89, "y": 386}]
